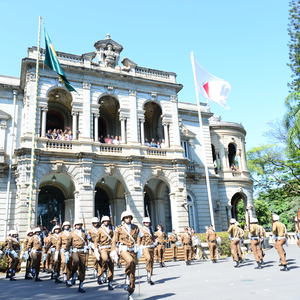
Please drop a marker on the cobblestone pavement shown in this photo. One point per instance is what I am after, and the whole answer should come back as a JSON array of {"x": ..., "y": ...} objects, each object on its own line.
[{"x": 201, "y": 280}]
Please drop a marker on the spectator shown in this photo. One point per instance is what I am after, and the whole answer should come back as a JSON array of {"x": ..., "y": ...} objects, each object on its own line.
[
  {"x": 49, "y": 134},
  {"x": 162, "y": 144},
  {"x": 116, "y": 141},
  {"x": 101, "y": 140},
  {"x": 108, "y": 140},
  {"x": 153, "y": 143},
  {"x": 147, "y": 143}
]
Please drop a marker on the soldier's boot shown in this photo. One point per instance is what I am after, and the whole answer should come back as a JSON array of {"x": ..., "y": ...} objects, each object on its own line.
[
  {"x": 8, "y": 273},
  {"x": 262, "y": 262},
  {"x": 80, "y": 288},
  {"x": 174, "y": 259},
  {"x": 52, "y": 275},
  {"x": 285, "y": 268},
  {"x": 258, "y": 265},
  {"x": 57, "y": 280},
  {"x": 214, "y": 261},
  {"x": 37, "y": 278},
  {"x": 163, "y": 264},
  {"x": 12, "y": 274},
  {"x": 95, "y": 273},
  {"x": 149, "y": 279},
  {"x": 99, "y": 280},
  {"x": 73, "y": 280},
  {"x": 186, "y": 263},
  {"x": 33, "y": 272},
  {"x": 237, "y": 264},
  {"x": 110, "y": 286},
  {"x": 28, "y": 276}
]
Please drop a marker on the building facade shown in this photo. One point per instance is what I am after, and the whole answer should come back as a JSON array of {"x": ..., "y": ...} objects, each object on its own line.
[{"x": 121, "y": 141}]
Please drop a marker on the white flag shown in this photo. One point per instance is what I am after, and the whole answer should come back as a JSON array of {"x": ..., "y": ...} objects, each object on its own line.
[{"x": 212, "y": 87}]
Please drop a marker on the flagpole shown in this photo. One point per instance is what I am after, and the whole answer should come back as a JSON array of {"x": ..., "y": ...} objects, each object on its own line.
[
  {"x": 202, "y": 143},
  {"x": 33, "y": 138}
]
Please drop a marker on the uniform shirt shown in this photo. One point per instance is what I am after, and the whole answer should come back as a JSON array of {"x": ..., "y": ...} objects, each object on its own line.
[
  {"x": 104, "y": 236},
  {"x": 147, "y": 238},
  {"x": 93, "y": 232},
  {"x": 234, "y": 231},
  {"x": 161, "y": 236},
  {"x": 53, "y": 242},
  {"x": 78, "y": 238},
  {"x": 254, "y": 230},
  {"x": 124, "y": 237},
  {"x": 186, "y": 238},
  {"x": 64, "y": 240},
  {"x": 35, "y": 243},
  {"x": 262, "y": 232},
  {"x": 12, "y": 243},
  {"x": 297, "y": 227},
  {"x": 173, "y": 238},
  {"x": 279, "y": 229},
  {"x": 211, "y": 235}
]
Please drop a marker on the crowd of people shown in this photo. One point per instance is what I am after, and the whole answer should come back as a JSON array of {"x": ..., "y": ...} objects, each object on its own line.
[
  {"x": 59, "y": 134},
  {"x": 155, "y": 143},
  {"x": 67, "y": 249},
  {"x": 110, "y": 139}
]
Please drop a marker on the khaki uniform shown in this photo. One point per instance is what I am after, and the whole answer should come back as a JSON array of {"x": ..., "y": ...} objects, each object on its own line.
[
  {"x": 234, "y": 233},
  {"x": 93, "y": 232},
  {"x": 103, "y": 241},
  {"x": 48, "y": 263},
  {"x": 127, "y": 241},
  {"x": 211, "y": 238},
  {"x": 147, "y": 241},
  {"x": 173, "y": 240},
  {"x": 63, "y": 246},
  {"x": 254, "y": 231},
  {"x": 161, "y": 239},
  {"x": 12, "y": 244},
  {"x": 79, "y": 249},
  {"x": 52, "y": 246},
  {"x": 279, "y": 231},
  {"x": 28, "y": 261},
  {"x": 186, "y": 239},
  {"x": 262, "y": 236},
  {"x": 36, "y": 245}
]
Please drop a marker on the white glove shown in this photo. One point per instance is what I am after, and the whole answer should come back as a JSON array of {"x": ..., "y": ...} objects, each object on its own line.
[
  {"x": 97, "y": 254},
  {"x": 14, "y": 253},
  {"x": 25, "y": 255},
  {"x": 114, "y": 256},
  {"x": 56, "y": 256},
  {"x": 1, "y": 253},
  {"x": 139, "y": 252}
]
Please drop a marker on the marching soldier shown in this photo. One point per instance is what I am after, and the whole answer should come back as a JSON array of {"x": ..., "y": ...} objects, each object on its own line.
[
  {"x": 186, "y": 239},
  {"x": 147, "y": 242},
  {"x": 63, "y": 248},
  {"x": 35, "y": 245},
  {"x": 52, "y": 245},
  {"x": 126, "y": 237},
  {"x": 297, "y": 230},
  {"x": 26, "y": 255},
  {"x": 241, "y": 236},
  {"x": 78, "y": 242},
  {"x": 211, "y": 238},
  {"x": 262, "y": 236},
  {"x": 102, "y": 249},
  {"x": 234, "y": 234},
  {"x": 161, "y": 239},
  {"x": 92, "y": 234},
  {"x": 12, "y": 249},
  {"x": 173, "y": 239},
  {"x": 47, "y": 259},
  {"x": 254, "y": 231},
  {"x": 279, "y": 232}
]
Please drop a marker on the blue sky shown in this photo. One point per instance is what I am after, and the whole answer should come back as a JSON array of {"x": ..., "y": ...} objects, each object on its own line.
[{"x": 244, "y": 42}]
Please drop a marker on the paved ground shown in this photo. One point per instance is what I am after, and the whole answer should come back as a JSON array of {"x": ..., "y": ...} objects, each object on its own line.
[{"x": 202, "y": 280}]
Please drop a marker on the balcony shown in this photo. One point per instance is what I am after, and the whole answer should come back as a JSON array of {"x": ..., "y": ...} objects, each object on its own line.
[{"x": 124, "y": 150}]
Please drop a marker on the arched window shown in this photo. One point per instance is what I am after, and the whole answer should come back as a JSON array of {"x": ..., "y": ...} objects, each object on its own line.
[
  {"x": 153, "y": 123},
  {"x": 231, "y": 156}
]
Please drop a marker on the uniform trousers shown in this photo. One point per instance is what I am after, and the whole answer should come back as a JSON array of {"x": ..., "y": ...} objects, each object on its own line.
[
  {"x": 148, "y": 254},
  {"x": 78, "y": 263},
  {"x": 107, "y": 264},
  {"x": 130, "y": 266},
  {"x": 235, "y": 248},
  {"x": 255, "y": 247},
  {"x": 187, "y": 249},
  {"x": 279, "y": 247},
  {"x": 66, "y": 266},
  {"x": 212, "y": 246},
  {"x": 36, "y": 261},
  {"x": 174, "y": 250},
  {"x": 161, "y": 253}
]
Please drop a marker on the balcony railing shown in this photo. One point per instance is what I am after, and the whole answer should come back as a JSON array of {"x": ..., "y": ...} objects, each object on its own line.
[
  {"x": 156, "y": 152},
  {"x": 57, "y": 144},
  {"x": 110, "y": 148}
]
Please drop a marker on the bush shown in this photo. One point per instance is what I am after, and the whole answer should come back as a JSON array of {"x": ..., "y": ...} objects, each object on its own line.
[{"x": 224, "y": 248}]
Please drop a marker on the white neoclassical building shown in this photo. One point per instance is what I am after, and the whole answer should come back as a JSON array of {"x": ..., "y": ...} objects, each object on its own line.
[{"x": 87, "y": 171}]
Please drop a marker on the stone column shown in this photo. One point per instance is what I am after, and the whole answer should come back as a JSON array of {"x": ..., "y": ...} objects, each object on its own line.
[
  {"x": 86, "y": 132},
  {"x": 3, "y": 126},
  {"x": 74, "y": 125},
  {"x": 44, "y": 119},
  {"x": 69, "y": 210},
  {"x": 76, "y": 205},
  {"x": 96, "y": 135},
  {"x": 142, "y": 121},
  {"x": 123, "y": 129},
  {"x": 175, "y": 121},
  {"x": 119, "y": 205},
  {"x": 135, "y": 203},
  {"x": 132, "y": 130},
  {"x": 243, "y": 156},
  {"x": 166, "y": 132}
]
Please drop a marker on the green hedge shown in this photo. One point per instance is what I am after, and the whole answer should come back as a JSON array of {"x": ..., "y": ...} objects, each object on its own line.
[{"x": 224, "y": 248}]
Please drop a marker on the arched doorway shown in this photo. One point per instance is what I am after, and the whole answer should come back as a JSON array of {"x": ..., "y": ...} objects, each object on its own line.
[
  {"x": 109, "y": 120},
  {"x": 51, "y": 204},
  {"x": 157, "y": 203},
  {"x": 238, "y": 208},
  {"x": 110, "y": 199},
  {"x": 59, "y": 110},
  {"x": 55, "y": 199},
  {"x": 153, "y": 128}
]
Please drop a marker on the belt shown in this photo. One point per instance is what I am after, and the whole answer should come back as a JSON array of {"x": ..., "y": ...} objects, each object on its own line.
[
  {"x": 235, "y": 239},
  {"x": 281, "y": 238},
  {"x": 149, "y": 246},
  {"x": 105, "y": 247},
  {"x": 254, "y": 238},
  {"x": 214, "y": 241},
  {"x": 186, "y": 244},
  {"x": 36, "y": 251},
  {"x": 126, "y": 248},
  {"x": 74, "y": 250}
]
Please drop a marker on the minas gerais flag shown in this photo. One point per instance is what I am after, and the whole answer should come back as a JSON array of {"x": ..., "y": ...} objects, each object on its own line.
[{"x": 52, "y": 62}]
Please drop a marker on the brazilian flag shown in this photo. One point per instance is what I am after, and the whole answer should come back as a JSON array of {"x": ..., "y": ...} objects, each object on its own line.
[{"x": 52, "y": 62}]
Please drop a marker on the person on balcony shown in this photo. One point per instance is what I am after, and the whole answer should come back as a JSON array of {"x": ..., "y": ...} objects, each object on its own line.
[
  {"x": 147, "y": 143},
  {"x": 108, "y": 140},
  {"x": 163, "y": 144},
  {"x": 116, "y": 140},
  {"x": 101, "y": 139},
  {"x": 49, "y": 134},
  {"x": 153, "y": 143}
]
